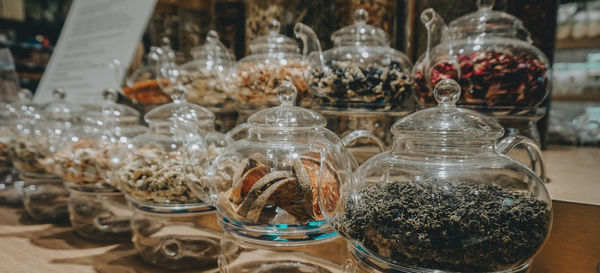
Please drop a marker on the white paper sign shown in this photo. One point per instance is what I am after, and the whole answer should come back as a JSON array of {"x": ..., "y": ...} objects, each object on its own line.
[{"x": 95, "y": 33}]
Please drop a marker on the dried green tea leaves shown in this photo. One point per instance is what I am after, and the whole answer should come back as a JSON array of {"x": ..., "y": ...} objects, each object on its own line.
[{"x": 448, "y": 226}]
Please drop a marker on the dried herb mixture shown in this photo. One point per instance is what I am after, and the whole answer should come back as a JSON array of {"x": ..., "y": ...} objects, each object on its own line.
[
  {"x": 154, "y": 175},
  {"x": 258, "y": 81},
  {"x": 459, "y": 227},
  {"x": 344, "y": 83}
]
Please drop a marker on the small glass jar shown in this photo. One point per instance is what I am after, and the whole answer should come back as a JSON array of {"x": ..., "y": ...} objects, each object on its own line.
[
  {"x": 155, "y": 183},
  {"x": 143, "y": 86},
  {"x": 98, "y": 211},
  {"x": 446, "y": 198},
  {"x": 273, "y": 58},
  {"x": 240, "y": 255},
  {"x": 208, "y": 78},
  {"x": 38, "y": 134},
  {"x": 10, "y": 186}
]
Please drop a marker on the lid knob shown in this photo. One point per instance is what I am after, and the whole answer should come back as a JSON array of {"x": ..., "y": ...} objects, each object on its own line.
[
  {"x": 165, "y": 42},
  {"x": 361, "y": 16},
  {"x": 58, "y": 94},
  {"x": 178, "y": 93},
  {"x": 110, "y": 94},
  {"x": 212, "y": 36},
  {"x": 447, "y": 92},
  {"x": 485, "y": 4},
  {"x": 274, "y": 27},
  {"x": 25, "y": 94},
  {"x": 286, "y": 92}
]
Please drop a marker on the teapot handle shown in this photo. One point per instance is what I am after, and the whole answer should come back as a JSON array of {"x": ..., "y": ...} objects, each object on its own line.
[
  {"x": 358, "y": 134},
  {"x": 231, "y": 134},
  {"x": 535, "y": 154}
]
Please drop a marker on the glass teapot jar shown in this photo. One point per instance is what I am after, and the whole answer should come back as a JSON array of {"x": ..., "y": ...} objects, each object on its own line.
[
  {"x": 491, "y": 55},
  {"x": 209, "y": 78},
  {"x": 446, "y": 198},
  {"x": 273, "y": 58},
  {"x": 361, "y": 71},
  {"x": 153, "y": 176},
  {"x": 84, "y": 148},
  {"x": 265, "y": 185},
  {"x": 144, "y": 85}
]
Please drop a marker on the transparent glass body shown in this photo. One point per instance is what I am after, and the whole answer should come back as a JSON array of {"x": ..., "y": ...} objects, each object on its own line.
[
  {"x": 491, "y": 55},
  {"x": 100, "y": 216},
  {"x": 179, "y": 241},
  {"x": 446, "y": 198},
  {"x": 45, "y": 198},
  {"x": 88, "y": 146},
  {"x": 85, "y": 157},
  {"x": 273, "y": 58},
  {"x": 361, "y": 71},
  {"x": 37, "y": 135},
  {"x": 209, "y": 78},
  {"x": 265, "y": 185},
  {"x": 244, "y": 256},
  {"x": 145, "y": 85},
  {"x": 10, "y": 187}
]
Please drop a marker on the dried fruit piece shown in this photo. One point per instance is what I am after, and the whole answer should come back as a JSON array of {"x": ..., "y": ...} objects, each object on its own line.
[
  {"x": 259, "y": 187},
  {"x": 330, "y": 183},
  {"x": 277, "y": 195},
  {"x": 244, "y": 184}
]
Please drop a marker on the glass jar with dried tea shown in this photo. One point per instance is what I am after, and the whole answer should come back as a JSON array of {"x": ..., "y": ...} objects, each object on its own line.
[
  {"x": 361, "y": 71},
  {"x": 154, "y": 181},
  {"x": 209, "y": 78},
  {"x": 446, "y": 198},
  {"x": 39, "y": 130},
  {"x": 273, "y": 58},
  {"x": 265, "y": 188},
  {"x": 10, "y": 186},
  {"x": 265, "y": 184},
  {"x": 491, "y": 55},
  {"x": 144, "y": 86},
  {"x": 97, "y": 209}
]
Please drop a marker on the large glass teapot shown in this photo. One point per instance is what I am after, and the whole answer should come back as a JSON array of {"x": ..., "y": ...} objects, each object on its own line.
[
  {"x": 361, "y": 71},
  {"x": 265, "y": 185},
  {"x": 491, "y": 55},
  {"x": 273, "y": 58},
  {"x": 208, "y": 78},
  {"x": 446, "y": 198}
]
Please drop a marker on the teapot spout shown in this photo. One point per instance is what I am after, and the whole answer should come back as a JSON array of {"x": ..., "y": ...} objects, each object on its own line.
[
  {"x": 310, "y": 40},
  {"x": 435, "y": 26}
]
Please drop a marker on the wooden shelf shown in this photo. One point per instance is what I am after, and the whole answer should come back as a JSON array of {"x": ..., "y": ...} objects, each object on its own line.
[
  {"x": 579, "y": 97},
  {"x": 576, "y": 44}
]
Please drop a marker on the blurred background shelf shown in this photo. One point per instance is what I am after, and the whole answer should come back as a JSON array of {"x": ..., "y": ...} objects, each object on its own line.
[{"x": 576, "y": 44}]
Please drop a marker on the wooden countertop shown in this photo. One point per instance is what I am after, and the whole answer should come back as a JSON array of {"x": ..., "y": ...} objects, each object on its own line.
[{"x": 574, "y": 245}]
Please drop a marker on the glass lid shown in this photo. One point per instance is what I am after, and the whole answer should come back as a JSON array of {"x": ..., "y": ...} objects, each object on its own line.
[
  {"x": 110, "y": 112},
  {"x": 286, "y": 115},
  {"x": 486, "y": 21},
  {"x": 274, "y": 42},
  {"x": 212, "y": 55},
  {"x": 162, "y": 116},
  {"x": 446, "y": 121},
  {"x": 60, "y": 110},
  {"x": 360, "y": 32}
]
